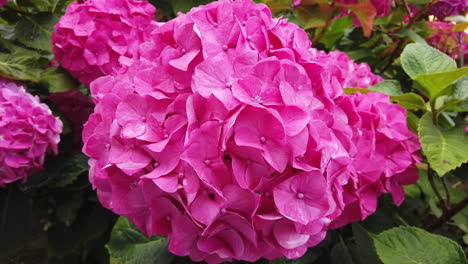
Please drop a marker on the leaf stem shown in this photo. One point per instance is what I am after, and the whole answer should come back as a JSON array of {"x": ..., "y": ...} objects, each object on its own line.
[
  {"x": 448, "y": 214},
  {"x": 430, "y": 175},
  {"x": 448, "y": 203}
]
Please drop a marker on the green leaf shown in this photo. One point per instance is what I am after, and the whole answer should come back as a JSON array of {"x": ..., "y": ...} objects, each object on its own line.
[
  {"x": 419, "y": 2},
  {"x": 35, "y": 31},
  {"x": 411, "y": 245},
  {"x": 435, "y": 84},
  {"x": 415, "y": 37},
  {"x": 445, "y": 149},
  {"x": 340, "y": 254},
  {"x": 52, "y": 6},
  {"x": 423, "y": 59},
  {"x": 58, "y": 80},
  {"x": 410, "y": 101},
  {"x": 390, "y": 87},
  {"x": 128, "y": 246},
  {"x": 336, "y": 30},
  {"x": 355, "y": 90},
  {"x": 364, "y": 245},
  {"x": 185, "y": 5},
  {"x": 18, "y": 63}
]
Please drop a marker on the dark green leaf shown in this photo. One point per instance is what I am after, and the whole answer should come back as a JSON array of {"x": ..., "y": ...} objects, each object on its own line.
[
  {"x": 365, "y": 250},
  {"x": 128, "y": 246},
  {"x": 36, "y": 31},
  {"x": 411, "y": 245}
]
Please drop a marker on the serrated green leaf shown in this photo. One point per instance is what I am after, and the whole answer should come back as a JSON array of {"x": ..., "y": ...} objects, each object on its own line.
[
  {"x": 435, "y": 84},
  {"x": 128, "y": 246},
  {"x": 445, "y": 149},
  {"x": 411, "y": 245},
  {"x": 423, "y": 59},
  {"x": 390, "y": 87},
  {"x": 410, "y": 101}
]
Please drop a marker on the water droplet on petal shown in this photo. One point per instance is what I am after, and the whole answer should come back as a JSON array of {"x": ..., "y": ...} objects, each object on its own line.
[{"x": 300, "y": 195}]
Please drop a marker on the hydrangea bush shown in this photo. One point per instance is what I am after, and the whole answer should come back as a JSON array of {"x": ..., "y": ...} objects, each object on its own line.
[
  {"x": 28, "y": 131},
  {"x": 230, "y": 127}
]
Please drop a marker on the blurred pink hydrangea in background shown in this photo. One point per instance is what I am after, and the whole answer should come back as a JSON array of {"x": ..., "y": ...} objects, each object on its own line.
[
  {"x": 28, "y": 131},
  {"x": 447, "y": 41},
  {"x": 3, "y": 2},
  {"x": 100, "y": 37},
  {"x": 444, "y": 8},
  {"x": 229, "y": 134}
]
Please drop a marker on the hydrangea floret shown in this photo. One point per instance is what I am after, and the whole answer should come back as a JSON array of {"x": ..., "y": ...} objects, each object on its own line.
[
  {"x": 233, "y": 137},
  {"x": 28, "y": 131}
]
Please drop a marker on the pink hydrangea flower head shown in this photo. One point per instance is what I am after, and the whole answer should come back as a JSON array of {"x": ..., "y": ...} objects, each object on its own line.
[
  {"x": 233, "y": 137},
  {"x": 3, "y": 2},
  {"x": 28, "y": 131},
  {"x": 444, "y": 8},
  {"x": 447, "y": 41},
  {"x": 99, "y": 37}
]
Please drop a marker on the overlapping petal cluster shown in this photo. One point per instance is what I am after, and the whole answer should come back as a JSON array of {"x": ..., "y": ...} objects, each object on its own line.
[
  {"x": 99, "y": 37},
  {"x": 447, "y": 41},
  {"x": 234, "y": 138},
  {"x": 28, "y": 130},
  {"x": 444, "y": 8}
]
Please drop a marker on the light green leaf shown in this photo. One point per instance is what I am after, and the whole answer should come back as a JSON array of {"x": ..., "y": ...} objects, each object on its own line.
[
  {"x": 390, "y": 87},
  {"x": 435, "y": 84},
  {"x": 128, "y": 246},
  {"x": 410, "y": 101},
  {"x": 35, "y": 31},
  {"x": 423, "y": 59},
  {"x": 411, "y": 245},
  {"x": 445, "y": 149}
]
